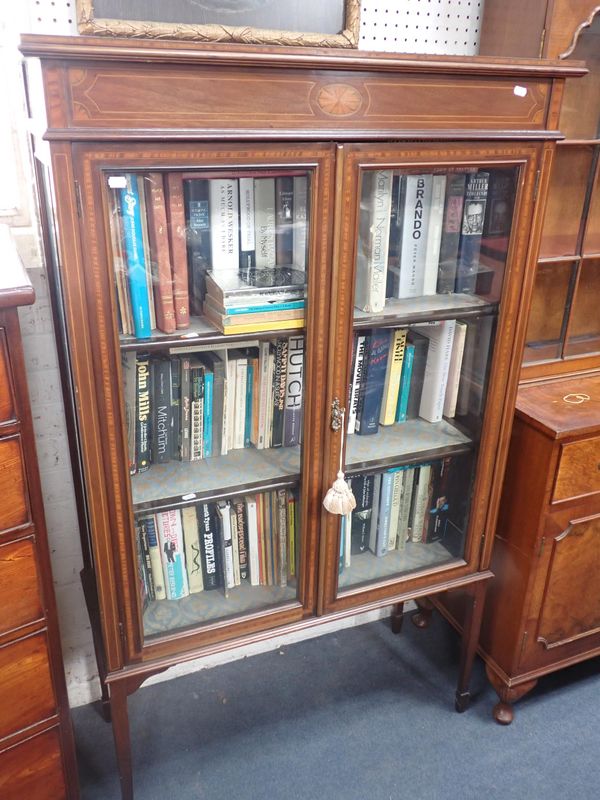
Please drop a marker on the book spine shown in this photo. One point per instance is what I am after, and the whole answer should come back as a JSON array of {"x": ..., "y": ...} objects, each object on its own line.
[
  {"x": 247, "y": 236},
  {"x": 248, "y": 404},
  {"x": 279, "y": 391},
  {"x": 160, "y": 592},
  {"x": 224, "y": 224},
  {"x": 242, "y": 534},
  {"x": 362, "y": 487},
  {"x": 375, "y": 512},
  {"x": 208, "y": 546},
  {"x": 175, "y": 433},
  {"x": 414, "y": 236},
  {"x": 193, "y": 554},
  {"x": 405, "y": 379},
  {"x": 393, "y": 374},
  {"x": 265, "y": 222},
  {"x": 378, "y": 247},
  {"x": 292, "y": 427},
  {"x": 230, "y": 390},
  {"x": 395, "y": 508},
  {"x": 235, "y": 546},
  {"x": 284, "y": 209},
  {"x": 119, "y": 265},
  {"x": 255, "y": 364},
  {"x": 145, "y": 562},
  {"x": 435, "y": 380},
  {"x": 161, "y": 411},
  {"x": 291, "y": 524},
  {"x": 454, "y": 369},
  {"x": 136, "y": 264},
  {"x": 300, "y": 245},
  {"x": 190, "y": 218},
  {"x": 420, "y": 503},
  {"x": 282, "y": 530},
  {"x": 371, "y": 390},
  {"x": 186, "y": 410},
  {"x": 158, "y": 237},
  {"x": 146, "y": 248},
  {"x": 405, "y": 507},
  {"x": 128, "y": 370},
  {"x": 434, "y": 234},
  {"x": 253, "y": 540},
  {"x": 396, "y": 225},
  {"x": 263, "y": 396},
  {"x": 453, "y": 211},
  {"x": 241, "y": 382},
  {"x": 385, "y": 511},
  {"x": 285, "y": 306},
  {"x": 226, "y": 547},
  {"x": 207, "y": 411},
  {"x": 471, "y": 232},
  {"x": 218, "y": 404},
  {"x": 362, "y": 346},
  {"x": 170, "y": 537},
  {"x": 143, "y": 419},
  {"x": 197, "y": 413},
  {"x": 421, "y": 345}
]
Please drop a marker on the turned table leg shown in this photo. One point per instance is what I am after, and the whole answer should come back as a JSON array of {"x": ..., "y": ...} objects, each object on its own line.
[
  {"x": 503, "y": 711},
  {"x": 397, "y": 617},
  {"x": 470, "y": 637}
]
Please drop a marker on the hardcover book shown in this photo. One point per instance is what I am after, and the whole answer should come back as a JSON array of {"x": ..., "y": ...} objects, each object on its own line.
[
  {"x": 360, "y": 525},
  {"x": 393, "y": 374},
  {"x": 454, "y": 370},
  {"x": 129, "y": 372},
  {"x": 242, "y": 534},
  {"x": 175, "y": 432},
  {"x": 209, "y": 545},
  {"x": 435, "y": 380},
  {"x": 362, "y": 345},
  {"x": 405, "y": 381},
  {"x": 405, "y": 507},
  {"x": 417, "y": 208},
  {"x": 373, "y": 241},
  {"x": 396, "y": 223},
  {"x": 378, "y": 542},
  {"x": 161, "y": 411},
  {"x": 226, "y": 545},
  {"x": 170, "y": 537},
  {"x": 471, "y": 232},
  {"x": 284, "y": 209},
  {"x": 300, "y": 236},
  {"x": 247, "y": 237},
  {"x": 421, "y": 346},
  {"x": 120, "y": 265},
  {"x": 265, "y": 222},
  {"x": 253, "y": 539},
  {"x": 279, "y": 391},
  {"x": 224, "y": 224},
  {"x": 143, "y": 420},
  {"x": 292, "y": 421},
  {"x": 420, "y": 502},
  {"x": 158, "y": 580},
  {"x": 197, "y": 228},
  {"x": 158, "y": 239},
  {"x": 193, "y": 554},
  {"x": 453, "y": 212},
  {"x": 371, "y": 389},
  {"x": 434, "y": 234},
  {"x": 135, "y": 257}
]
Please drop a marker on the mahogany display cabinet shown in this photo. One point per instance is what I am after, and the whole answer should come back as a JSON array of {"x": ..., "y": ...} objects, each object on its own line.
[{"x": 254, "y": 244}]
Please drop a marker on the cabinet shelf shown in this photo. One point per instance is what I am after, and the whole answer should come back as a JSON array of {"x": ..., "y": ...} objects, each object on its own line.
[
  {"x": 200, "y": 332},
  {"x": 176, "y": 483},
  {"x": 161, "y": 616},
  {"x": 413, "y": 441},
  {"x": 428, "y": 308}
]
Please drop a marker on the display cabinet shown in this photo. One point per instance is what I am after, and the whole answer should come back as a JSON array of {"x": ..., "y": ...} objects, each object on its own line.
[{"x": 275, "y": 262}]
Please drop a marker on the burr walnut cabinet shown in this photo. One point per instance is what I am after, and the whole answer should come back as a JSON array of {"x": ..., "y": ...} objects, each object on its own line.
[
  {"x": 158, "y": 153},
  {"x": 37, "y": 752}
]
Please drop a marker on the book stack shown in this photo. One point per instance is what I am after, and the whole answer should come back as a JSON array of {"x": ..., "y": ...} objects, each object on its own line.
[
  {"x": 422, "y": 234},
  {"x": 195, "y": 406},
  {"x": 405, "y": 373},
  {"x": 249, "y": 540},
  {"x": 403, "y": 506},
  {"x": 170, "y": 230}
]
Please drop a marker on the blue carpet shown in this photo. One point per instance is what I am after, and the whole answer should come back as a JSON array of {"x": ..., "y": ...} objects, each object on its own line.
[{"x": 356, "y": 715}]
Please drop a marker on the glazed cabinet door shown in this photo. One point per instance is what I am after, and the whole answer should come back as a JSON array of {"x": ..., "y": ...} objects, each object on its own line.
[
  {"x": 203, "y": 283},
  {"x": 429, "y": 282}
]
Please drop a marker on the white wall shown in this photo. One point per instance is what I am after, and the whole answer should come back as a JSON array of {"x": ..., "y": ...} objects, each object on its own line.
[{"x": 386, "y": 25}]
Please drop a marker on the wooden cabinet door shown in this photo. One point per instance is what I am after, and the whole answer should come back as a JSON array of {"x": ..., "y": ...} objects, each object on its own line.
[
  {"x": 145, "y": 493},
  {"x": 564, "y": 615},
  {"x": 426, "y": 476}
]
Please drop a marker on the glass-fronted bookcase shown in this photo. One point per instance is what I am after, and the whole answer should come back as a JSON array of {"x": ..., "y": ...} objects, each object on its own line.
[{"x": 274, "y": 262}]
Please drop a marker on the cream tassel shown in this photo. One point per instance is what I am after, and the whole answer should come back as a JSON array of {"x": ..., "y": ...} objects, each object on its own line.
[{"x": 339, "y": 498}]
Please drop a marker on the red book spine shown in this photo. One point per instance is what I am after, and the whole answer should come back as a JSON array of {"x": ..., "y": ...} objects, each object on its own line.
[
  {"x": 159, "y": 252},
  {"x": 178, "y": 242}
]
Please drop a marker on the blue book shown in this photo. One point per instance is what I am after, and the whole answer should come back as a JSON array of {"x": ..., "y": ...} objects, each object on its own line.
[
  {"x": 286, "y": 305},
  {"x": 379, "y": 542},
  {"x": 136, "y": 261},
  {"x": 371, "y": 389},
  {"x": 407, "y": 367},
  {"x": 248, "y": 417},
  {"x": 207, "y": 414}
]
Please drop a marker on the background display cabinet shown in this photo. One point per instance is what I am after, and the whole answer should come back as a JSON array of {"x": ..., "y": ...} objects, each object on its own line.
[{"x": 272, "y": 262}]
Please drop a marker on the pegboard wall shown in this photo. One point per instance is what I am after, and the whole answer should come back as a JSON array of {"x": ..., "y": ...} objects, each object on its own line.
[{"x": 403, "y": 26}]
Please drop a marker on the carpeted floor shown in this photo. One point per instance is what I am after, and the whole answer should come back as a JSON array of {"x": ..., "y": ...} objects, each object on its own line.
[{"x": 357, "y": 715}]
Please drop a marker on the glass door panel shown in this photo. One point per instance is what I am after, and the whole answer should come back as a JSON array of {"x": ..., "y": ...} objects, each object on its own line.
[
  {"x": 210, "y": 279},
  {"x": 430, "y": 262},
  {"x": 584, "y": 324},
  {"x": 549, "y": 310}
]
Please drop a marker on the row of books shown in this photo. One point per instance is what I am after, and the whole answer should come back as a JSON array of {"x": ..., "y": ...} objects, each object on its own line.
[
  {"x": 219, "y": 545},
  {"x": 430, "y": 371},
  {"x": 167, "y": 230},
  {"x": 192, "y": 407},
  {"x": 403, "y": 504},
  {"x": 421, "y": 234}
]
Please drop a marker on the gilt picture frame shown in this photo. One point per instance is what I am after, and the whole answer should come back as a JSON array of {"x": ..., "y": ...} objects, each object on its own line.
[{"x": 334, "y": 23}]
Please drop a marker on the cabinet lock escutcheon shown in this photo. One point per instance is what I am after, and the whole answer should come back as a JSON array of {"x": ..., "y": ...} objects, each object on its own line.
[{"x": 337, "y": 415}]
